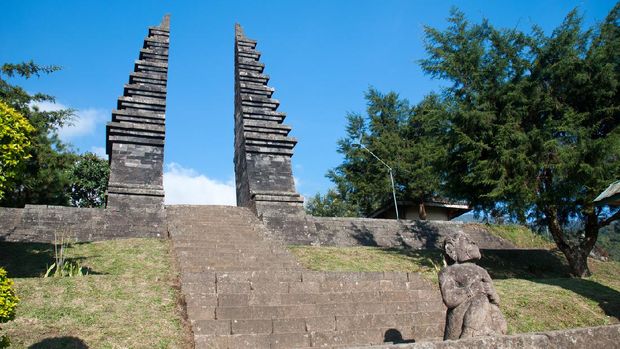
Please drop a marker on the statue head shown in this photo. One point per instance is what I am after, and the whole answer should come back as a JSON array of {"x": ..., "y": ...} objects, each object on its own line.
[{"x": 459, "y": 248}]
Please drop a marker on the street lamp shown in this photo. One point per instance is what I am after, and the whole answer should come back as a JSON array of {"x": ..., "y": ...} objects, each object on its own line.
[{"x": 389, "y": 169}]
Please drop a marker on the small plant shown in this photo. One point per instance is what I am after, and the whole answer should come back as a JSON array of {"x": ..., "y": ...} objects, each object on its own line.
[
  {"x": 8, "y": 303},
  {"x": 63, "y": 266}
]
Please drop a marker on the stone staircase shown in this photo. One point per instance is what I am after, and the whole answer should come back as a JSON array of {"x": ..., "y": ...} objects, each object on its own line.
[{"x": 243, "y": 290}]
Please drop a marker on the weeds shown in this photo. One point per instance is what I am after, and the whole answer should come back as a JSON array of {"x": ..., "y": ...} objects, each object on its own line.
[{"x": 62, "y": 266}]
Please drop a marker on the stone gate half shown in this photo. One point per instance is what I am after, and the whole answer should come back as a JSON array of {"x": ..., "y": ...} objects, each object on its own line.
[
  {"x": 135, "y": 136},
  {"x": 263, "y": 148}
]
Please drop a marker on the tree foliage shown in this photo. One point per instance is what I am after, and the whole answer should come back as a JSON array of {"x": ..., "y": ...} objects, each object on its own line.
[
  {"x": 532, "y": 122},
  {"x": 44, "y": 178},
  {"x": 403, "y": 137},
  {"x": 15, "y": 132},
  {"x": 88, "y": 181},
  {"x": 527, "y": 129},
  {"x": 329, "y": 205}
]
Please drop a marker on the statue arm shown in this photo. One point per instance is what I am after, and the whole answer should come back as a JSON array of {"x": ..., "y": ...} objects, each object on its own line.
[
  {"x": 453, "y": 295},
  {"x": 489, "y": 288}
]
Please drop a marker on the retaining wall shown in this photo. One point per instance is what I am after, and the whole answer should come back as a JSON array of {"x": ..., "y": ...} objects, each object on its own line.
[
  {"x": 602, "y": 337},
  {"x": 39, "y": 223},
  {"x": 415, "y": 234}
]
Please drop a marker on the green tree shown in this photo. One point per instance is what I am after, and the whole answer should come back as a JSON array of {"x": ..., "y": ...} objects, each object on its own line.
[
  {"x": 533, "y": 122},
  {"x": 329, "y": 205},
  {"x": 361, "y": 179},
  {"x": 44, "y": 178},
  {"x": 15, "y": 132},
  {"x": 401, "y": 136},
  {"x": 88, "y": 181}
]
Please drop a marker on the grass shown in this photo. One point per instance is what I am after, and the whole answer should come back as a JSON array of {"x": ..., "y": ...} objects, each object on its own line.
[
  {"x": 426, "y": 262},
  {"x": 128, "y": 300},
  {"x": 519, "y": 235},
  {"x": 535, "y": 290}
]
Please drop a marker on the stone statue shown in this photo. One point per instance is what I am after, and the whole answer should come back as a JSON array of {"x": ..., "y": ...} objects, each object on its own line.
[{"x": 468, "y": 292}]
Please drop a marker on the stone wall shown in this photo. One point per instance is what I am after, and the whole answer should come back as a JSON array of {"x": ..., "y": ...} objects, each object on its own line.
[
  {"x": 602, "y": 337},
  {"x": 39, "y": 223},
  {"x": 328, "y": 231}
]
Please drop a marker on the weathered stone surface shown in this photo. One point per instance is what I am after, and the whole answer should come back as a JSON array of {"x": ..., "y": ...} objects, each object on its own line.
[
  {"x": 263, "y": 147},
  {"x": 602, "y": 337},
  {"x": 259, "y": 289},
  {"x": 468, "y": 292},
  {"x": 135, "y": 136},
  {"x": 39, "y": 223},
  {"x": 327, "y": 231}
]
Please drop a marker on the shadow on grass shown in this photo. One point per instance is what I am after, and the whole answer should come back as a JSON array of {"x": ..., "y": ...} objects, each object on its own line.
[
  {"x": 60, "y": 343},
  {"x": 524, "y": 264},
  {"x": 540, "y": 266},
  {"x": 428, "y": 258},
  {"x": 24, "y": 260},
  {"x": 607, "y": 298}
]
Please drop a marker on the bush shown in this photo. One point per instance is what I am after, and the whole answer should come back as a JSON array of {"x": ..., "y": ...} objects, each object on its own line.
[
  {"x": 14, "y": 143},
  {"x": 8, "y": 303}
]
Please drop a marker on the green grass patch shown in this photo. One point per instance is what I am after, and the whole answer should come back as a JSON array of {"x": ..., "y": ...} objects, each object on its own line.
[
  {"x": 128, "y": 300},
  {"x": 519, "y": 235},
  {"x": 535, "y": 290},
  {"x": 426, "y": 262}
]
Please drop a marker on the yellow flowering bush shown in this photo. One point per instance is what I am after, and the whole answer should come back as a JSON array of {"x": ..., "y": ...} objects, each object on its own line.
[
  {"x": 15, "y": 133},
  {"x": 8, "y": 303}
]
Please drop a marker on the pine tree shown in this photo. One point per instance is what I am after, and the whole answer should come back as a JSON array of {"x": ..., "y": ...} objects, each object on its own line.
[{"x": 532, "y": 122}]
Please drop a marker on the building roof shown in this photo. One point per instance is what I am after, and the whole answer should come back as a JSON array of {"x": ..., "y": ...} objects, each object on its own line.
[
  {"x": 610, "y": 196},
  {"x": 460, "y": 206}
]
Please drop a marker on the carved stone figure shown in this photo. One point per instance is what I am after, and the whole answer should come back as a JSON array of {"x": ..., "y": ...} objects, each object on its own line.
[{"x": 468, "y": 292}]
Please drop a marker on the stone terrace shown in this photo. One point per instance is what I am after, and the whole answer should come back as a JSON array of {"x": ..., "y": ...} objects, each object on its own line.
[{"x": 245, "y": 291}]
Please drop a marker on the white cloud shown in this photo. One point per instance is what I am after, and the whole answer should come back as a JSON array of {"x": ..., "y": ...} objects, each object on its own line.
[
  {"x": 186, "y": 186},
  {"x": 99, "y": 151},
  {"x": 83, "y": 123}
]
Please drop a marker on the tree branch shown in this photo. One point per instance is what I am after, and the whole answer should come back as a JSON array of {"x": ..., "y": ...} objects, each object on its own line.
[{"x": 608, "y": 221}]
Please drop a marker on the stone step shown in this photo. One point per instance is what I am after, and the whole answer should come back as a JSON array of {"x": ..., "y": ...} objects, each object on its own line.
[
  {"x": 216, "y": 295},
  {"x": 255, "y": 312},
  {"x": 313, "y": 339},
  {"x": 242, "y": 290}
]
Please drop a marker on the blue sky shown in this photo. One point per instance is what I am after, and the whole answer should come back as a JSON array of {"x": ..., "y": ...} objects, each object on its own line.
[{"x": 321, "y": 55}]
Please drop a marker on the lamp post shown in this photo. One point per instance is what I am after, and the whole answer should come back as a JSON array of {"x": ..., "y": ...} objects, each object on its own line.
[{"x": 390, "y": 171}]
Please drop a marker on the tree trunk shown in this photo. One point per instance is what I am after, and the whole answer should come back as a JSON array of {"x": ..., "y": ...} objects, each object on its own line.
[
  {"x": 578, "y": 260},
  {"x": 577, "y": 256},
  {"x": 422, "y": 211}
]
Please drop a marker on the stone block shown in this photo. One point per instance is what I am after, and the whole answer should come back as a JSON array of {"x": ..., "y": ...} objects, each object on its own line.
[
  {"x": 211, "y": 327},
  {"x": 250, "y": 341},
  {"x": 251, "y": 326},
  {"x": 201, "y": 313},
  {"x": 212, "y": 342},
  {"x": 320, "y": 323},
  {"x": 233, "y": 300},
  {"x": 290, "y": 340},
  {"x": 290, "y": 325},
  {"x": 233, "y": 287},
  {"x": 339, "y": 338},
  {"x": 231, "y": 313}
]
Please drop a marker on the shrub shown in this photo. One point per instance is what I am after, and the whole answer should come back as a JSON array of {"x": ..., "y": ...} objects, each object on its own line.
[
  {"x": 14, "y": 143},
  {"x": 8, "y": 303}
]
